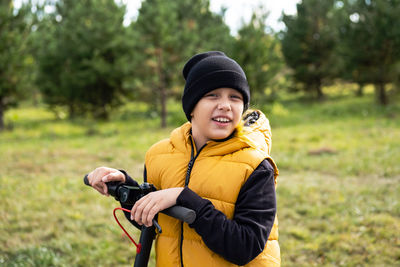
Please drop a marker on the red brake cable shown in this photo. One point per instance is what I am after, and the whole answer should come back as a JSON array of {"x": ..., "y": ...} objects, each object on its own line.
[{"x": 138, "y": 246}]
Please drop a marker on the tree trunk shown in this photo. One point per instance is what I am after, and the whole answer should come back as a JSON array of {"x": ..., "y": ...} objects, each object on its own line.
[
  {"x": 163, "y": 107},
  {"x": 360, "y": 91},
  {"x": 162, "y": 89},
  {"x": 71, "y": 111},
  {"x": 102, "y": 113},
  {"x": 2, "y": 108},
  {"x": 381, "y": 93},
  {"x": 35, "y": 97},
  {"x": 318, "y": 88}
]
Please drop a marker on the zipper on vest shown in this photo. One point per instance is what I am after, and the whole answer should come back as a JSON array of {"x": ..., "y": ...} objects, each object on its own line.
[
  {"x": 187, "y": 178},
  {"x": 189, "y": 170}
]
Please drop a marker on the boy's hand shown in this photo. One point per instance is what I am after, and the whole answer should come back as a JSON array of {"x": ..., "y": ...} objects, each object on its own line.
[
  {"x": 100, "y": 176},
  {"x": 148, "y": 206}
]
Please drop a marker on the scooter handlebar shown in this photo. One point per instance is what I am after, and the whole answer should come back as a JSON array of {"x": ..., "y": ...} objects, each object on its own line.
[{"x": 178, "y": 212}]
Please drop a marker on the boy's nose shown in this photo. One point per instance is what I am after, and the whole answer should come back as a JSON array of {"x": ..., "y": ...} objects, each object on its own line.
[{"x": 224, "y": 105}]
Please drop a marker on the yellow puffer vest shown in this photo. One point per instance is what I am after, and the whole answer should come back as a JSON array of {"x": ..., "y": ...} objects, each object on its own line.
[{"x": 218, "y": 174}]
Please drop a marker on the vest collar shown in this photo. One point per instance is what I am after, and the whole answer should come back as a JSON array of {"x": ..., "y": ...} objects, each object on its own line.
[{"x": 256, "y": 136}]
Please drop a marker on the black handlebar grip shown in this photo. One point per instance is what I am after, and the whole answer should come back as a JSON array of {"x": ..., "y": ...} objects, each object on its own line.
[
  {"x": 86, "y": 180},
  {"x": 181, "y": 213},
  {"x": 111, "y": 187}
]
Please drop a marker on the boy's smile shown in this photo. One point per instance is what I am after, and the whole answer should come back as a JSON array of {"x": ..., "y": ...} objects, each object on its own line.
[
  {"x": 222, "y": 119},
  {"x": 216, "y": 115}
]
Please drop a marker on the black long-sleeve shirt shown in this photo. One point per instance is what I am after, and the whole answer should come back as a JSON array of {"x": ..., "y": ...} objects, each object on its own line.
[{"x": 242, "y": 238}]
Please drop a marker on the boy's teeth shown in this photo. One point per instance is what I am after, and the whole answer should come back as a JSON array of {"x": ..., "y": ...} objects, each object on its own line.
[{"x": 221, "y": 119}]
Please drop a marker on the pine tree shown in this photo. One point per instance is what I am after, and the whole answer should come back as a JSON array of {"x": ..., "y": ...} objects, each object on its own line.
[
  {"x": 257, "y": 50},
  {"x": 309, "y": 42},
  {"x": 370, "y": 37},
  {"x": 15, "y": 27},
  {"x": 82, "y": 59},
  {"x": 169, "y": 32}
]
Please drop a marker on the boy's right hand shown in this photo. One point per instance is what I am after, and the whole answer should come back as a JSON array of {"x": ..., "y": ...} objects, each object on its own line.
[{"x": 102, "y": 175}]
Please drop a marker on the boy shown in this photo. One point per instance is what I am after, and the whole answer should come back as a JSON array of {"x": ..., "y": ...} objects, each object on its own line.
[{"x": 215, "y": 164}]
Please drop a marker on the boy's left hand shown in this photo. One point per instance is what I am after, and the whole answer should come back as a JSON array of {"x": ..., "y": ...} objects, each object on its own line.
[{"x": 148, "y": 206}]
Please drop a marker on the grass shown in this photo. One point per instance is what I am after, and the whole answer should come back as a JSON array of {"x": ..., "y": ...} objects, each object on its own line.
[{"x": 338, "y": 189}]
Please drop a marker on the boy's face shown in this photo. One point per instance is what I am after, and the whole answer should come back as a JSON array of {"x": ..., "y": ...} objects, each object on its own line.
[{"x": 216, "y": 115}]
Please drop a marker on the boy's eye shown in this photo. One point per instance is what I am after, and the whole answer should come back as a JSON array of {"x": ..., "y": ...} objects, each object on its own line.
[
  {"x": 211, "y": 95},
  {"x": 236, "y": 96}
]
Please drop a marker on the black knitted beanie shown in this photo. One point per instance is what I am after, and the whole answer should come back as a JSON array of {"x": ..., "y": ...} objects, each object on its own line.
[{"x": 208, "y": 71}]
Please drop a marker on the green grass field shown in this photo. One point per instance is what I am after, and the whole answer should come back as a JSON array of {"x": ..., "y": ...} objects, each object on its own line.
[{"x": 338, "y": 189}]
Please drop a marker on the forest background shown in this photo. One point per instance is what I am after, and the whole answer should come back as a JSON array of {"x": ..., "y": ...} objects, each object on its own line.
[{"x": 79, "y": 88}]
